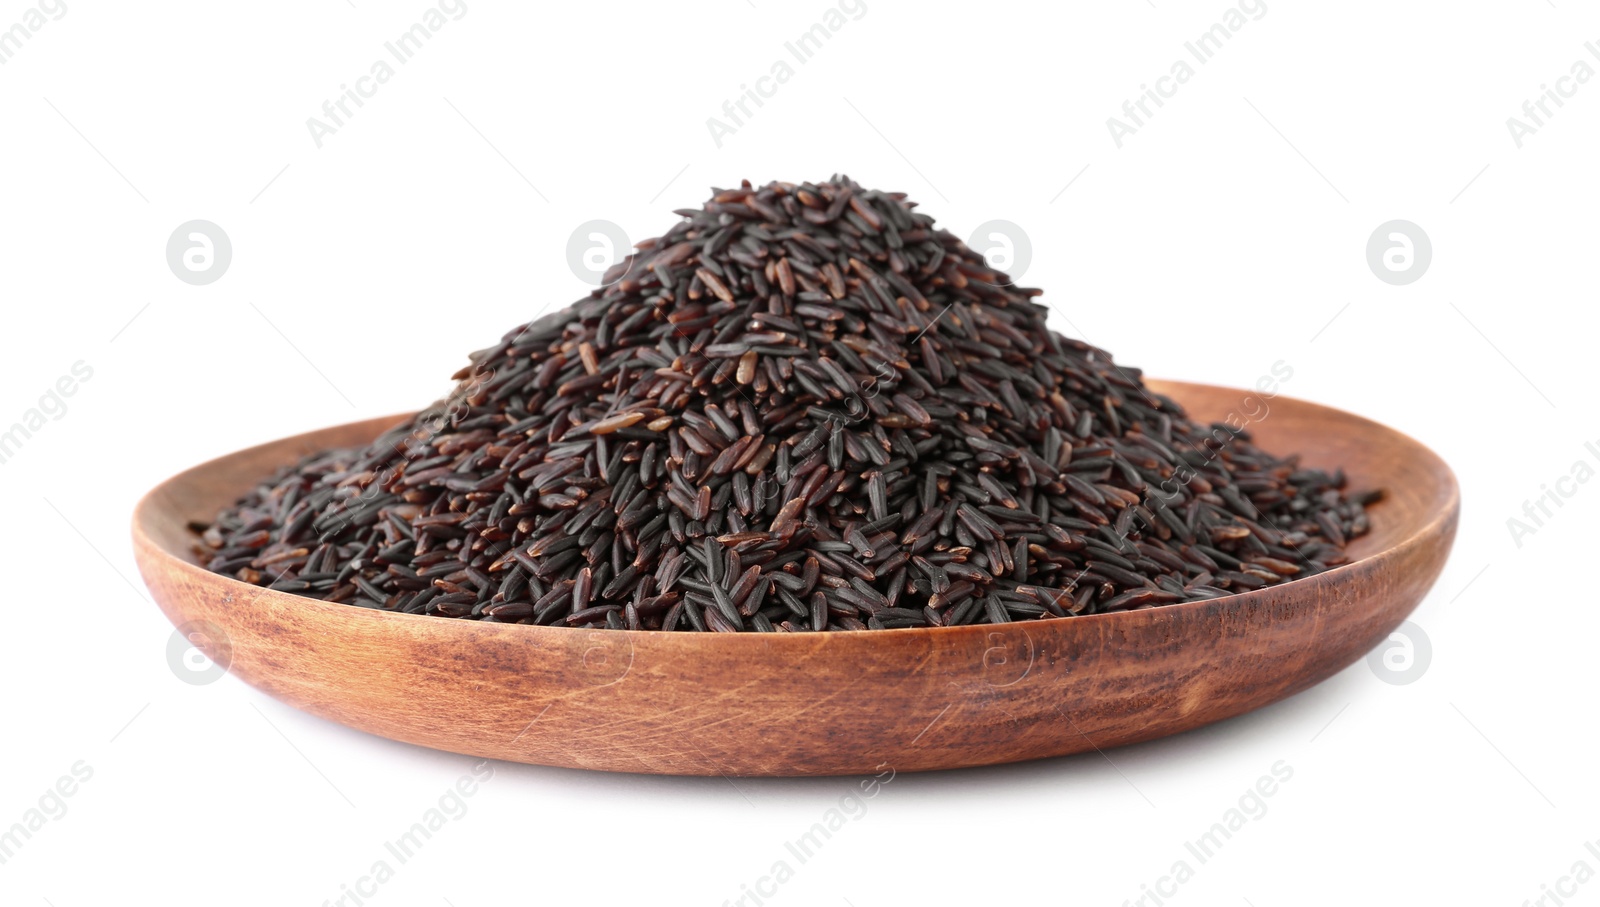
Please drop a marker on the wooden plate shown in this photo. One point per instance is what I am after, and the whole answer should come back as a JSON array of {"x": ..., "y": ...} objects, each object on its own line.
[{"x": 826, "y": 703}]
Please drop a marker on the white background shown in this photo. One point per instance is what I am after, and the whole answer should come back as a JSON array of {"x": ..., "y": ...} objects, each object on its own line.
[{"x": 1226, "y": 234}]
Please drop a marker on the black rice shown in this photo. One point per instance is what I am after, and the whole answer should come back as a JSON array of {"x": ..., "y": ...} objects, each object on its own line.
[{"x": 804, "y": 408}]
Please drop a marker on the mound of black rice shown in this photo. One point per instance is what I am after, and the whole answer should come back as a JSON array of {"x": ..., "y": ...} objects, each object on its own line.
[{"x": 804, "y": 408}]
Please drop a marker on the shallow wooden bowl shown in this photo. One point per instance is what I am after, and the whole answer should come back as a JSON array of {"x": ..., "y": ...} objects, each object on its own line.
[{"x": 825, "y": 703}]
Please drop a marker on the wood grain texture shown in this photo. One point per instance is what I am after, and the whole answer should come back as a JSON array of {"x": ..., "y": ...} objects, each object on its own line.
[{"x": 825, "y": 703}]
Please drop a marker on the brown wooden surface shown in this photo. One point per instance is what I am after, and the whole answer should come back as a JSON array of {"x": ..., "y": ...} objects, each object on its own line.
[{"x": 826, "y": 703}]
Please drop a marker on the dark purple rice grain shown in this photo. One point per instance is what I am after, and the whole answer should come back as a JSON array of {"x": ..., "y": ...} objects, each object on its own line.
[{"x": 804, "y": 408}]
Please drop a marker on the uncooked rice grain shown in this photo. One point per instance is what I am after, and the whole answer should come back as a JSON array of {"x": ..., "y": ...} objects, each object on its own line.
[{"x": 804, "y": 408}]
